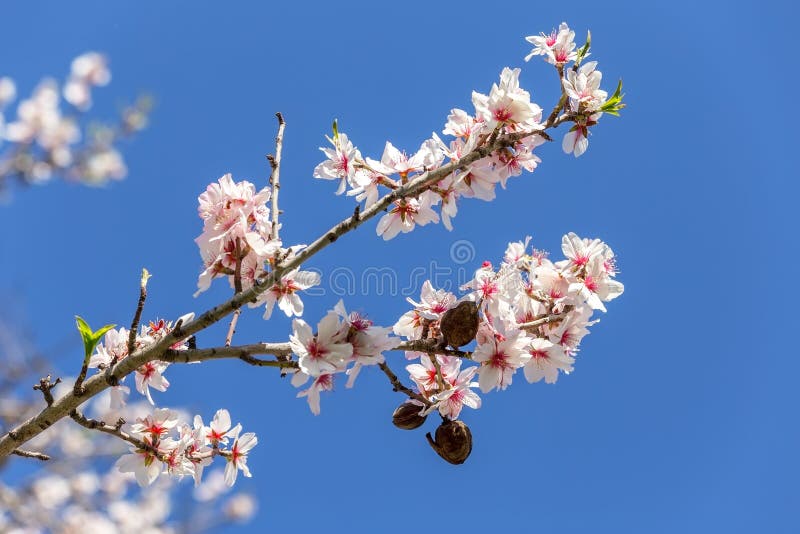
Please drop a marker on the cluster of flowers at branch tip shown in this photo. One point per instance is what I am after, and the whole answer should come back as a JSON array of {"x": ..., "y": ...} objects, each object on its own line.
[
  {"x": 45, "y": 140},
  {"x": 151, "y": 374},
  {"x": 237, "y": 229},
  {"x": 530, "y": 314},
  {"x": 170, "y": 446},
  {"x": 506, "y": 109}
]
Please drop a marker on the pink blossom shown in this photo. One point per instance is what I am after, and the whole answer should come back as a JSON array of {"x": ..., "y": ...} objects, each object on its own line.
[
  {"x": 557, "y": 48},
  {"x": 341, "y": 162},
  {"x": 285, "y": 292},
  {"x": 507, "y": 104},
  {"x": 499, "y": 359},
  {"x": 143, "y": 463},
  {"x": 459, "y": 394},
  {"x": 546, "y": 359},
  {"x": 237, "y": 456},
  {"x": 150, "y": 375},
  {"x": 323, "y": 353},
  {"x": 425, "y": 376},
  {"x": 323, "y": 382},
  {"x": 405, "y": 215}
]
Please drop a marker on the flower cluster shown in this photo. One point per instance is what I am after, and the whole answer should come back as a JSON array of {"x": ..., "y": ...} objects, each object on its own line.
[
  {"x": 76, "y": 490},
  {"x": 506, "y": 109},
  {"x": 237, "y": 234},
  {"x": 343, "y": 343},
  {"x": 529, "y": 314},
  {"x": 46, "y": 140},
  {"x": 151, "y": 374},
  {"x": 166, "y": 445},
  {"x": 582, "y": 95}
]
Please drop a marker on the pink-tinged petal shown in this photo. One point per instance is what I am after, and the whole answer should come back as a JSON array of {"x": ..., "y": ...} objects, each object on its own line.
[
  {"x": 306, "y": 279},
  {"x": 489, "y": 377},
  {"x": 471, "y": 399},
  {"x": 230, "y": 473},
  {"x": 269, "y": 304},
  {"x": 247, "y": 441},
  {"x": 568, "y": 144},
  {"x": 221, "y": 422},
  {"x": 581, "y": 145}
]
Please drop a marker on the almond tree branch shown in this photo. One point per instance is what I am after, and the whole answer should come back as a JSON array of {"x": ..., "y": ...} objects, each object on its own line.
[
  {"x": 115, "y": 430},
  {"x": 542, "y": 321},
  {"x": 137, "y": 316},
  {"x": 30, "y": 454},
  {"x": 97, "y": 383},
  {"x": 561, "y": 101},
  {"x": 275, "y": 176},
  {"x": 398, "y": 386},
  {"x": 237, "y": 288}
]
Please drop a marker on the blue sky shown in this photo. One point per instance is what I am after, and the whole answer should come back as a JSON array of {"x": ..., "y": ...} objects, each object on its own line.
[{"x": 681, "y": 415}]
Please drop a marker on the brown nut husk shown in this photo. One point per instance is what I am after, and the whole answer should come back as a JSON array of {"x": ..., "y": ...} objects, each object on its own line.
[
  {"x": 459, "y": 325},
  {"x": 407, "y": 417},
  {"x": 453, "y": 441}
]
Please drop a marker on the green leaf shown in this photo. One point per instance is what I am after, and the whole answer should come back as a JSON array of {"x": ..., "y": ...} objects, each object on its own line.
[
  {"x": 335, "y": 131},
  {"x": 582, "y": 51},
  {"x": 89, "y": 337},
  {"x": 614, "y": 104}
]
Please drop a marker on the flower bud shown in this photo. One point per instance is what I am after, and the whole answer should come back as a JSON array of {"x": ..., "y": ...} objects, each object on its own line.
[
  {"x": 407, "y": 416},
  {"x": 453, "y": 441},
  {"x": 459, "y": 325}
]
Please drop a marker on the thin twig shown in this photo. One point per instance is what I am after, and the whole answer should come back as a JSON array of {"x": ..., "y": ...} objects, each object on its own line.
[
  {"x": 541, "y": 321},
  {"x": 114, "y": 430},
  {"x": 561, "y": 101},
  {"x": 30, "y": 454},
  {"x": 242, "y": 352},
  {"x": 436, "y": 365},
  {"x": 275, "y": 175},
  {"x": 137, "y": 316},
  {"x": 399, "y": 387},
  {"x": 237, "y": 288},
  {"x": 77, "y": 388}
]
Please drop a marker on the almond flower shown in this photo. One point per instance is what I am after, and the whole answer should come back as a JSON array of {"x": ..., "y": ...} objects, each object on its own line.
[
  {"x": 507, "y": 104},
  {"x": 323, "y": 353},
  {"x": 557, "y": 48},
  {"x": 219, "y": 430},
  {"x": 459, "y": 394},
  {"x": 143, "y": 463},
  {"x": 285, "y": 293},
  {"x": 546, "y": 359},
  {"x": 499, "y": 359},
  {"x": 237, "y": 457},
  {"x": 405, "y": 215},
  {"x": 340, "y": 164},
  {"x": 151, "y": 375},
  {"x": 323, "y": 382}
]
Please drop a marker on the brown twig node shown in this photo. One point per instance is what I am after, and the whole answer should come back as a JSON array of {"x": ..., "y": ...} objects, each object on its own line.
[{"x": 45, "y": 386}]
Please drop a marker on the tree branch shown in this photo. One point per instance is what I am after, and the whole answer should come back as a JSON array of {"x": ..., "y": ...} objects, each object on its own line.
[
  {"x": 237, "y": 288},
  {"x": 542, "y": 321},
  {"x": 137, "y": 316},
  {"x": 99, "y": 382},
  {"x": 275, "y": 175},
  {"x": 30, "y": 454},
  {"x": 115, "y": 430},
  {"x": 398, "y": 386}
]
